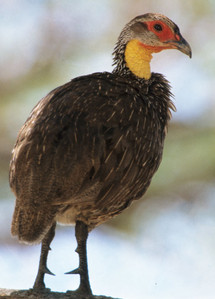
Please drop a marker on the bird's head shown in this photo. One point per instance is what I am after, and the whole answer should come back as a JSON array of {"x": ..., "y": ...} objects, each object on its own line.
[{"x": 147, "y": 34}]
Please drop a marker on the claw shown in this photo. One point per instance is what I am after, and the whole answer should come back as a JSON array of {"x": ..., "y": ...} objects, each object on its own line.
[
  {"x": 76, "y": 271},
  {"x": 47, "y": 271},
  {"x": 77, "y": 250}
]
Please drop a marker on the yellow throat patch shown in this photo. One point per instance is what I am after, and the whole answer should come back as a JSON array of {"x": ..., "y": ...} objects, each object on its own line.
[{"x": 138, "y": 59}]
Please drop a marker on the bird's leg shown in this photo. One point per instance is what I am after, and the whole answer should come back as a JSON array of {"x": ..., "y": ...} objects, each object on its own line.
[
  {"x": 45, "y": 247},
  {"x": 81, "y": 234}
]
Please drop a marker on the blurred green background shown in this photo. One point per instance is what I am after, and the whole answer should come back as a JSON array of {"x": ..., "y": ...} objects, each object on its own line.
[{"x": 46, "y": 43}]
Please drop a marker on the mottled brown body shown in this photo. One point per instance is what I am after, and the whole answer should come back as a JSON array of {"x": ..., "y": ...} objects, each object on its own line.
[{"x": 85, "y": 153}]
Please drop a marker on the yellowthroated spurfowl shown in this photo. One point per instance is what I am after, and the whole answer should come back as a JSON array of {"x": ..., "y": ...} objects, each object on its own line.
[{"x": 90, "y": 147}]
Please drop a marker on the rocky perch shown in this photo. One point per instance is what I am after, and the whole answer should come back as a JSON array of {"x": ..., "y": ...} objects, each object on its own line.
[{"x": 16, "y": 294}]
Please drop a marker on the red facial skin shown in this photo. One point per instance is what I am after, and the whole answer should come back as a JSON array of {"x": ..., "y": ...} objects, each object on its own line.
[{"x": 165, "y": 35}]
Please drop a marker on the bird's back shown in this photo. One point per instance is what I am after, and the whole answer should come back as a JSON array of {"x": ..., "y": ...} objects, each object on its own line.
[{"x": 87, "y": 150}]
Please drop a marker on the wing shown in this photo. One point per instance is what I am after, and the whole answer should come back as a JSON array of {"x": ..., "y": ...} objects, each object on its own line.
[{"x": 87, "y": 139}]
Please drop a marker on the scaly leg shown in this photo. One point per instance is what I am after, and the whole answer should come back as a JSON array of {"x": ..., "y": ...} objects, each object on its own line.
[
  {"x": 45, "y": 247},
  {"x": 81, "y": 233}
]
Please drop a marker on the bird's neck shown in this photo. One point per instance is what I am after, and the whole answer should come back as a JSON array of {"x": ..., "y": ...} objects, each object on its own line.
[
  {"x": 138, "y": 58},
  {"x": 133, "y": 58}
]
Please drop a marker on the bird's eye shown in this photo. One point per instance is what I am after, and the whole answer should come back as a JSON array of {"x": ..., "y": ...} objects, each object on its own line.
[{"x": 158, "y": 27}]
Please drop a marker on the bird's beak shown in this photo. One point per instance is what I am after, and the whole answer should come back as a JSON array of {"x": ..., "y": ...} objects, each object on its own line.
[{"x": 181, "y": 44}]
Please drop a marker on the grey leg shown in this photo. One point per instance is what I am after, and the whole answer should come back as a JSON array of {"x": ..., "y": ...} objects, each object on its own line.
[
  {"x": 81, "y": 233},
  {"x": 45, "y": 247}
]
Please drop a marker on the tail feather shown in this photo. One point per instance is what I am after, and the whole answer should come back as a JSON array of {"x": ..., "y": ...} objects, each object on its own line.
[{"x": 31, "y": 224}]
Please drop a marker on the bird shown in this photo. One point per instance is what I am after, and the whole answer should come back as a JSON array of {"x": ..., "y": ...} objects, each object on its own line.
[{"x": 91, "y": 146}]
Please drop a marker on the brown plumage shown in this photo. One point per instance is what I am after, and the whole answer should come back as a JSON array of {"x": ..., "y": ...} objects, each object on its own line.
[{"x": 90, "y": 147}]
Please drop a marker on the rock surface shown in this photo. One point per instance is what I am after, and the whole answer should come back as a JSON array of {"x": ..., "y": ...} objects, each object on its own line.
[{"x": 16, "y": 294}]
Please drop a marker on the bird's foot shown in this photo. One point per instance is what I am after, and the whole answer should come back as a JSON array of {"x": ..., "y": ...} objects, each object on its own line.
[
  {"x": 39, "y": 290},
  {"x": 84, "y": 287},
  {"x": 39, "y": 284}
]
